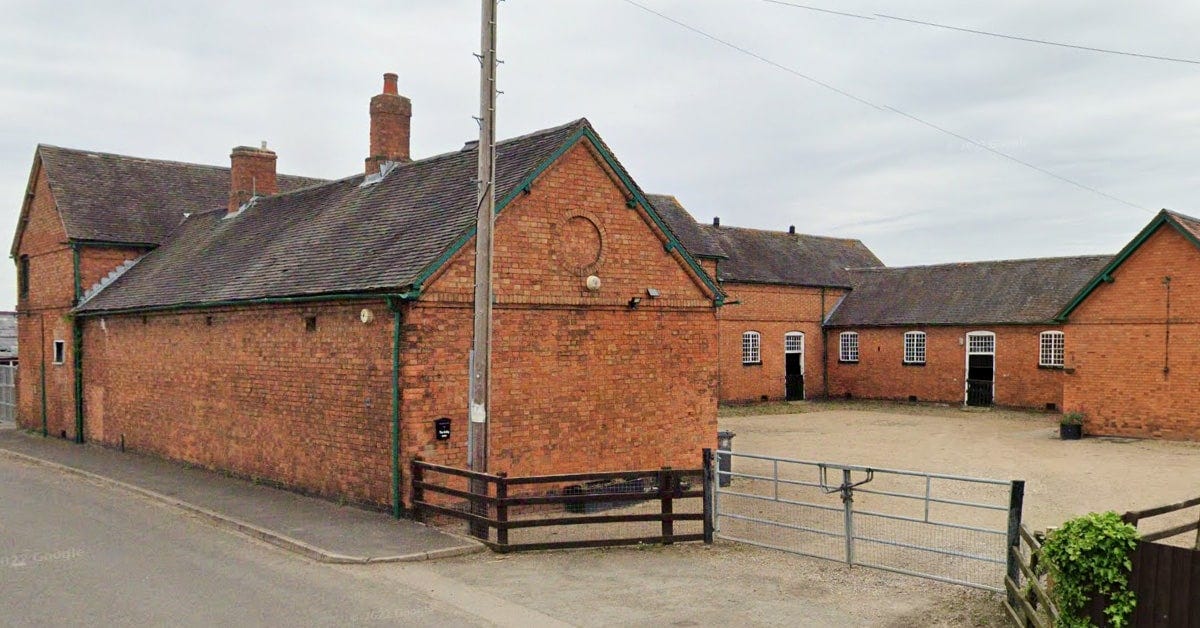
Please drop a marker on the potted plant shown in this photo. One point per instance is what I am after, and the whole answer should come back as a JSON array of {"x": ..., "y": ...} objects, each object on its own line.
[{"x": 1071, "y": 425}]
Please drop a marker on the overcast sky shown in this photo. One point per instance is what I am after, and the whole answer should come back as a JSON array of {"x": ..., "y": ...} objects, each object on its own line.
[{"x": 728, "y": 134}]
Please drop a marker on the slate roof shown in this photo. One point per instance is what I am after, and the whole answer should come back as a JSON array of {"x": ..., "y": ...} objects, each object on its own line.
[
  {"x": 760, "y": 256},
  {"x": 1023, "y": 291},
  {"x": 335, "y": 238},
  {"x": 778, "y": 257},
  {"x": 693, "y": 237},
  {"x": 116, "y": 198}
]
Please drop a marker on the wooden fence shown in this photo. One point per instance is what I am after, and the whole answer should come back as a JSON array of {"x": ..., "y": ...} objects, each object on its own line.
[
  {"x": 557, "y": 498},
  {"x": 1028, "y": 604},
  {"x": 1165, "y": 579}
]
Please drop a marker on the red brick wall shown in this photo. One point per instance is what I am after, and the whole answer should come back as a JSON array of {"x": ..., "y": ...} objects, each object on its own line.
[
  {"x": 1117, "y": 345},
  {"x": 580, "y": 380},
  {"x": 251, "y": 391},
  {"x": 881, "y": 373},
  {"x": 42, "y": 317},
  {"x": 772, "y": 311}
]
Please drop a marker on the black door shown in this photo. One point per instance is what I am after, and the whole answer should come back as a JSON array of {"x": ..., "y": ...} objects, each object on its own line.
[
  {"x": 981, "y": 371},
  {"x": 794, "y": 386}
]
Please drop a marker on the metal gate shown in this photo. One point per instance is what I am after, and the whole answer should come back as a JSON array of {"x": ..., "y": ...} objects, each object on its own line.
[
  {"x": 8, "y": 393},
  {"x": 947, "y": 528}
]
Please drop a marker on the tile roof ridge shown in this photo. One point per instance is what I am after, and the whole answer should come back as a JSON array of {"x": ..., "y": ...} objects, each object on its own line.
[
  {"x": 451, "y": 153},
  {"x": 1182, "y": 215},
  {"x": 171, "y": 162},
  {"x": 779, "y": 232},
  {"x": 1097, "y": 257}
]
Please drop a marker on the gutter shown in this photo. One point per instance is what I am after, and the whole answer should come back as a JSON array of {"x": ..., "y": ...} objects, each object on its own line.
[
  {"x": 334, "y": 296},
  {"x": 77, "y": 344}
]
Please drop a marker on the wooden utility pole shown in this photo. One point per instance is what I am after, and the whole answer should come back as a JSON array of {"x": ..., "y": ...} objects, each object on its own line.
[{"x": 481, "y": 348}]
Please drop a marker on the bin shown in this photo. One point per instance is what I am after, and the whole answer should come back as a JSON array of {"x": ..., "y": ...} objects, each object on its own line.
[{"x": 724, "y": 461}]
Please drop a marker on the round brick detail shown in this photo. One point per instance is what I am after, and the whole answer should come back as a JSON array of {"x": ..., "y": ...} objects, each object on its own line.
[{"x": 580, "y": 244}]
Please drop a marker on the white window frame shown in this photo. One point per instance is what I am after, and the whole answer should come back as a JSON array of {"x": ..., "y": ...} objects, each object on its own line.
[
  {"x": 798, "y": 335},
  {"x": 914, "y": 347},
  {"x": 1050, "y": 355},
  {"x": 59, "y": 354},
  {"x": 981, "y": 335},
  {"x": 751, "y": 348},
  {"x": 848, "y": 347}
]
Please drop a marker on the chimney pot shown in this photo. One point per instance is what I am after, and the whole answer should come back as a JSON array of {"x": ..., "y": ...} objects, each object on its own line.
[
  {"x": 251, "y": 173},
  {"x": 792, "y": 229},
  {"x": 716, "y": 221},
  {"x": 391, "y": 121}
]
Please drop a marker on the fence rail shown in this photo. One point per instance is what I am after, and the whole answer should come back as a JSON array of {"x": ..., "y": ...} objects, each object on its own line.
[
  {"x": 492, "y": 513},
  {"x": 1029, "y": 604}
]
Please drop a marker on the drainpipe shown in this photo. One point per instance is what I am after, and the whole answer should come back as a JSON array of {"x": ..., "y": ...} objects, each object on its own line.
[
  {"x": 397, "y": 324},
  {"x": 77, "y": 345},
  {"x": 42, "y": 351},
  {"x": 824, "y": 348}
]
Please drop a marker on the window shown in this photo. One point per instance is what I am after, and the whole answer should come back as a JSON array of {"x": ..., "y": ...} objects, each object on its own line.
[
  {"x": 1053, "y": 345},
  {"x": 914, "y": 347},
  {"x": 23, "y": 276},
  {"x": 981, "y": 342},
  {"x": 60, "y": 352},
  {"x": 848, "y": 347},
  {"x": 793, "y": 342},
  {"x": 751, "y": 348}
]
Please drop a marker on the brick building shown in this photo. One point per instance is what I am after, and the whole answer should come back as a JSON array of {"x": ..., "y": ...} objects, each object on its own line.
[
  {"x": 309, "y": 333},
  {"x": 975, "y": 333},
  {"x": 780, "y": 287},
  {"x": 1133, "y": 356}
]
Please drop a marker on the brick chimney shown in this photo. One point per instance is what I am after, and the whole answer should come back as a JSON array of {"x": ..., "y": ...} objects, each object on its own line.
[
  {"x": 251, "y": 173},
  {"x": 391, "y": 118}
]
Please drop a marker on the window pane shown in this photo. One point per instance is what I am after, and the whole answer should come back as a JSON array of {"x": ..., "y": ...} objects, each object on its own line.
[{"x": 750, "y": 348}]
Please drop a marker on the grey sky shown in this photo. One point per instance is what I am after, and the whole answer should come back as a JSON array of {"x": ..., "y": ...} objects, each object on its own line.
[{"x": 728, "y": 135}]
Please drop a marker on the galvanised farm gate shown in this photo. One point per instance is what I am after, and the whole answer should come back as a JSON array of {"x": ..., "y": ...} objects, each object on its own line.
[{"x": 947, "y": 528}]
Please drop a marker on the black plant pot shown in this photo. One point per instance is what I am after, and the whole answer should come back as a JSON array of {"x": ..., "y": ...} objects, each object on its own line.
[{"x": 1070, "y": 432}]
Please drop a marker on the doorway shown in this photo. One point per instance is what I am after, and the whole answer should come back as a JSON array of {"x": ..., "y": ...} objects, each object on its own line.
[
  {"x": 981, "y": 368},
  {"x": 793, "y": 361}
]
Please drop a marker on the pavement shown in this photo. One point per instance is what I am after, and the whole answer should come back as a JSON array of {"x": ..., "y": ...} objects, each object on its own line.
[{"x": 316, "y": 528}]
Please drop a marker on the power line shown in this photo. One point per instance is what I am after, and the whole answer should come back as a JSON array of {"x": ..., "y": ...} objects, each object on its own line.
[
  {"x": 1038, "y": 41},
  {"x": 973, "y": 31},
  {"x": 879, "y": 107}
]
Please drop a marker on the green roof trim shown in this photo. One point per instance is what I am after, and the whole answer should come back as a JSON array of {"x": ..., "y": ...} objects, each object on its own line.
[
  {"x": 1164, "y": 217},
  {"x": 527, "y": 183}
]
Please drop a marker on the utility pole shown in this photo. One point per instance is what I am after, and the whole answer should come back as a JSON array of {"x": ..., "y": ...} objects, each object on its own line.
[{"x": 481, "y": 347}]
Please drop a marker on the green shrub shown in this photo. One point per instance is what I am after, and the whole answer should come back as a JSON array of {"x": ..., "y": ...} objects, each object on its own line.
[{"x": 1090, "y": 556}]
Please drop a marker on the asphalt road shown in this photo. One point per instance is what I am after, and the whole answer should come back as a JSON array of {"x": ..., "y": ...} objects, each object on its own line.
[{"x": 74, "y": 552}]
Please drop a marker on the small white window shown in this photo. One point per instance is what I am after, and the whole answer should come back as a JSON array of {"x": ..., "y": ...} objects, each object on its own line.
[
  {"x": 914, "y": 347},
  {"x": 848, "y": 347},
  {"x": 60, "y": 351},
  {"x": 751, "y": 348},
  {"x": 1053, "y": 345},
  {"x": 981, "y": 343}
]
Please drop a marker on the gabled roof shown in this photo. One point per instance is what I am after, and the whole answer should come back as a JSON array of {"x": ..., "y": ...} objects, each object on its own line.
[
  {"x": 116, "y": 198},
  {"x": 795, "y": 259},
  {"x": 343, "y": 238},
  {"x": 1188, "y": 226},
  {"x": 1026, "y": 291},
  {"x": 759, "y": 256},
  {"x": 690, "y": 233}
]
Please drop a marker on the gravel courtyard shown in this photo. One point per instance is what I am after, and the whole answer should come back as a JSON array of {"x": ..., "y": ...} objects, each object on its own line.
[
  {"x": 1063, "y": 478},
  {"x": 730, "y": 583}
]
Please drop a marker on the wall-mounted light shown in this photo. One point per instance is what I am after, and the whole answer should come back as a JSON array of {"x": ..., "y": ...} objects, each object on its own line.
[
  {"x": 633, "y": 303},
  {"x": 653, "y": 293}
]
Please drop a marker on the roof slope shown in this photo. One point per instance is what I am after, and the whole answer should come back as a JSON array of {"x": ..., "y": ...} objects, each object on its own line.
[
  {"x": 115, "y": 198},
  {"x": 759, "y": 256},
  {"x": 693, "y": 237},
  {"x": 335, "y": 238},
  {"x": 976, "y": 293}
]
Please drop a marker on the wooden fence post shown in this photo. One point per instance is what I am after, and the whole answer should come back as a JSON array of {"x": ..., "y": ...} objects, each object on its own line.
[
  {"x": 502, "y": 509},
  {"x": 665, "y": 488},
  {"x": 418, "y": 492},
  {"x": 708, "y": 495},
  {"x": 1016, "y": 502}
]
